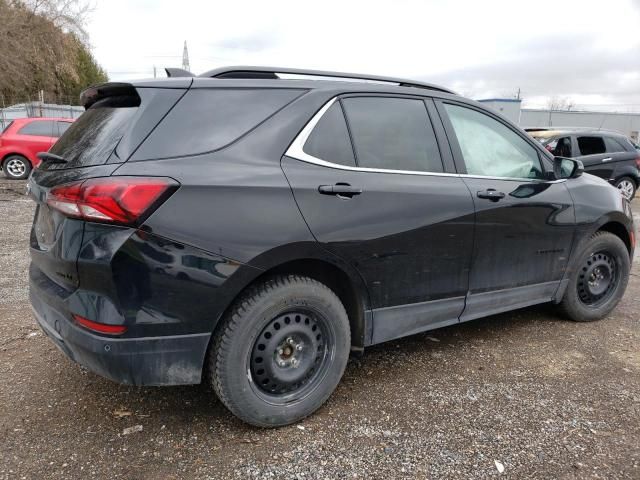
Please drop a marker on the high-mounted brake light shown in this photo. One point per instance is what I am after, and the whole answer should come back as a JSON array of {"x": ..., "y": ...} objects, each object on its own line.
[
  {"x": 100, "y": 327},
  {"x": 119, "y": 200}
]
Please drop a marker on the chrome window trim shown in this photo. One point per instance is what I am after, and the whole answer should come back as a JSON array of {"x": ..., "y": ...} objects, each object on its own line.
[{"x": 296, "y": 150}]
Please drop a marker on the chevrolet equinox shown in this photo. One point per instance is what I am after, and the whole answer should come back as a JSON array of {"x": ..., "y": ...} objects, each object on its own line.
[{"x": 252, "y": 226}]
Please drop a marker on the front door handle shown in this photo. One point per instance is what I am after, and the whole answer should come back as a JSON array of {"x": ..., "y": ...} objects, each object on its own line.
[
  {"x": 491, "y": 194},
  {"x": 608, "y": 159},
  {"x": 340, "y": 190}
]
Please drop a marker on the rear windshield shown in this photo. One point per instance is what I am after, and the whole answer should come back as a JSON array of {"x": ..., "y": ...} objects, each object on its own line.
[{"x": 92, "y": 137}]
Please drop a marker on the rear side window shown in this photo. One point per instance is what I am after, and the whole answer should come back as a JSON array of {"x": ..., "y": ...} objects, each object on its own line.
[
  {"x": 613, "y": 145},
  {"x": 559, "y": 147},
  {"x": 43, "y": 128},
  {"x": 329, "y": 140},
  {"x": 205, "y": 120},
  {"x": 393, "y": 134},
  {"x": 591, "y": 145}
]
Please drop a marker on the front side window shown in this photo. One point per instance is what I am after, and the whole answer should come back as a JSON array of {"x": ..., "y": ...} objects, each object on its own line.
[
  {"x": 329, "y": 140},
  {"x": 39, "y": 128},
  {"x": 490, "y": 148},
  {"x": 392, "y": 133},
  {"x": 591, "y": 145},
  {"x": 613, "y": 145}
]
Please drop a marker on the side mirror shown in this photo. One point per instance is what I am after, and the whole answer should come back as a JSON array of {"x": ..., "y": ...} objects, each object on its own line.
[{"x": 567, "y": 168}]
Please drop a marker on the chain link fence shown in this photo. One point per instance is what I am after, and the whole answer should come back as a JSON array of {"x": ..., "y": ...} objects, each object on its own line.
[{"x": 38, "y": 105}]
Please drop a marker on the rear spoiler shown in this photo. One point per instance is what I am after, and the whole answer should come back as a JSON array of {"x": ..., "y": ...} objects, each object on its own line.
[
  {"x": 178, "y": 72},
  {"x": 123, "y": 95}
]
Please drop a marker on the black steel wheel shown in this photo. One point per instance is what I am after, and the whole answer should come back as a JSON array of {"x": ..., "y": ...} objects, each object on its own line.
[
  {"x": 598, "y": 279},
  {"x": 281, "y": 351},
  {"x": 291, "y": 354}
]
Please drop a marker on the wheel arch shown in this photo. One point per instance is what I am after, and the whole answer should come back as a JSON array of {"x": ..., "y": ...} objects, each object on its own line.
[
  {"x": 345, "y": 282},
  {"x": 619, "y": 230}
]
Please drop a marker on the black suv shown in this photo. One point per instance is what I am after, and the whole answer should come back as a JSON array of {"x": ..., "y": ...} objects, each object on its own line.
[
  {"x": 608, "y": 155},
  {"x": 252, "y": 230}
]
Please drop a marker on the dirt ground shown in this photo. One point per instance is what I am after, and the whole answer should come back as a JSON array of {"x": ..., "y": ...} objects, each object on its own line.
[{"x": 544, "y": 397}]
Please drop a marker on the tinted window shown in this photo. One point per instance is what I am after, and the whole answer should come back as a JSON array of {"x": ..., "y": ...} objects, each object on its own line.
[
  {"x": 490, "y": 148},
  {"x": 43, "y": 128},
  {"x": 613, "y": 145},
  {"x": 209, "y": 119},
  {"x": 330, "y": 138},
  {"x": 94, "y": 135},
  {"x": 392, "y": 133},
  {"x": 591, "y": 145},
  {"x": 560, "y": 147},
  {"x": 63, "y": 127}
]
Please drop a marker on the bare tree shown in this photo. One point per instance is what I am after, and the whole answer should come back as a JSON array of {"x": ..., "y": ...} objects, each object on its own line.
[
  {"x": 68, "y": 15},
  {"x": 560, "y": 103},
  {"x": 42, "y": 43}
]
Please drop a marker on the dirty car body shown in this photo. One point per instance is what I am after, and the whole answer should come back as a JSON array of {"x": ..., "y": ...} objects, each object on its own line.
[{"x": 225, "y": 182}]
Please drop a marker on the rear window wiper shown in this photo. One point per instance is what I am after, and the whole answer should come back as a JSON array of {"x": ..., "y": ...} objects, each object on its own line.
[{"x": 51, "y": 157}]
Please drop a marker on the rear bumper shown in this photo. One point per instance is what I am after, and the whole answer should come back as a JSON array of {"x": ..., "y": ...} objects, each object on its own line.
[{"x": 167, "y": 360}]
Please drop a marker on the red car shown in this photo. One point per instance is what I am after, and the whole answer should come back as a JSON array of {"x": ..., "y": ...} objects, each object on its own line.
[{"x": 24, "y": 138}]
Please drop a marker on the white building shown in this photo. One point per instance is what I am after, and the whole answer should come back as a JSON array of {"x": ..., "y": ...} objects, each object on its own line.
[{"x": 625, "y": 123}]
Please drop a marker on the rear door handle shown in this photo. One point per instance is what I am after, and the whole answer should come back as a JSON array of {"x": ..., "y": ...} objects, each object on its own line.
[
  {"x": 340, "y": 190},
  {"x": 491, "y": 194},
  {"x": 608, "y": 159}
]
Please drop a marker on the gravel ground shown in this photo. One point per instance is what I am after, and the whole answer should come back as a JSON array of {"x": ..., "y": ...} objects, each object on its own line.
[{"x": 544, "y": 397}]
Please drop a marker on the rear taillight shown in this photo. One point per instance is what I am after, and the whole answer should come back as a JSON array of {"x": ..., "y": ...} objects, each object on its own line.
[
  {"x": 638, "y": 162},
  {"x": 119, "y": 200},
  {"x": 100, "y": 327}
]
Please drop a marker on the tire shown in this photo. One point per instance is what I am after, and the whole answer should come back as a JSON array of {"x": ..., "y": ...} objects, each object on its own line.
[
  {"x": 303, "y": 330},
  {"x": 627, "y": 187},
  {"x": 599, "y": 279},
  {"x": 16, "y": 167}
]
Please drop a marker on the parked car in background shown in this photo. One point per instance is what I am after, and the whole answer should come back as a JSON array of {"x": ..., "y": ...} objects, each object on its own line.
[
  {"x": 605, "y": 154},
  {"x": 250, "y": 230},
  {"x": 24, "y": 138}
]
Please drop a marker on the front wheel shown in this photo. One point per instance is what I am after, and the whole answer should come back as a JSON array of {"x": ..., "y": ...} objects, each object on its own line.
[
  {"x": 627, "y": 187},
  {"x": 281, "y": 351},
  {"x": 16, "y": 167},
  {"x": 598, "y": 280}
]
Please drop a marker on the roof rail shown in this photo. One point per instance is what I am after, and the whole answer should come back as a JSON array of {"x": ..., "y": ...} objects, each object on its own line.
[{"x": 274, "y": 72}]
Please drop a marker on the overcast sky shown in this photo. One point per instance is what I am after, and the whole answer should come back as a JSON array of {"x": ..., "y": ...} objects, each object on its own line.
[{"x": 588, "y": 51}]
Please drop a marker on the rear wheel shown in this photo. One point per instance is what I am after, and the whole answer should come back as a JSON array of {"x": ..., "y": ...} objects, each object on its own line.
[
  {"x": 599, "y": 279},
  {"x": 281, "y": 351},
  {"x": 627, "y": 187},
  {"x": 16, "y": 167}
]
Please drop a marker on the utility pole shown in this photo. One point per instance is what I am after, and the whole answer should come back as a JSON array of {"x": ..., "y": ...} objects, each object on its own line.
[
  {"x": 185, "y": 57},
  {"x": 518, "y": 95},
  {"x": 154, "y": 71}
]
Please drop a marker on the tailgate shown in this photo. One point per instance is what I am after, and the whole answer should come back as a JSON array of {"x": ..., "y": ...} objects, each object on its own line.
[{"x": 118, "y": 118}]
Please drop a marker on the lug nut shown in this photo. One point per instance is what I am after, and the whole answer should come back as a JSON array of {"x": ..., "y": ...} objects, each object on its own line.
[
  {"x": 294, "y": 362},
  {"x": 290, "y": 341},
  {"x": 280, "y": 351},
  {"x": 299, "y": 347}
]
